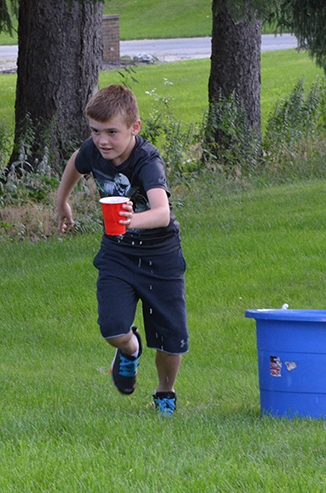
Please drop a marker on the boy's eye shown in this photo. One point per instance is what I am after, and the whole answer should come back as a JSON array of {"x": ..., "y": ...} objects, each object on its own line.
[{"x": 95, "y": 131}]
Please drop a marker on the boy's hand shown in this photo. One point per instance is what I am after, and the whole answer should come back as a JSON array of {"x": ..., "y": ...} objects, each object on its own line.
[
  {"x": 128, "y": 206},
  {"x": 64, "y": 214}
]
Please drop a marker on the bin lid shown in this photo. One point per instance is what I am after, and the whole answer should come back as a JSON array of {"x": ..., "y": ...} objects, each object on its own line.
[{"x": 287, "y": 314}]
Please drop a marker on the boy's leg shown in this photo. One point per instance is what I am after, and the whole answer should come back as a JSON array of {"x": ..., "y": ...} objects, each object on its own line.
[
  {"x": 117, "y": 302},
  {"x": 165, "y": 319},
  {"x": 126, "y": 343},
  {"x": 126, "y": 360},
  {"x": 165, "y": 398},
  {"x": 167, "y": 369}
]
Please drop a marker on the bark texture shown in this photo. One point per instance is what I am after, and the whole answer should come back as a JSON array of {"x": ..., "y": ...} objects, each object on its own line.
[
  {"x": 235, "y": 60},
  {"x": 60, "y": 53}
]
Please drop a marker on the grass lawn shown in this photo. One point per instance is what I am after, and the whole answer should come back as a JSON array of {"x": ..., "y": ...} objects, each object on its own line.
[
  {"x": 165, "y": 19},
  {"x": 150, "y": 19},
  {"x": 65, "y": 428},
  {"x": 280, "y": 71}
]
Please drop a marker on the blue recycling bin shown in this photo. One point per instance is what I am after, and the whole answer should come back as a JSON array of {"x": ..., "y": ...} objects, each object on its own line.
[{"x": 291, "y": 347}]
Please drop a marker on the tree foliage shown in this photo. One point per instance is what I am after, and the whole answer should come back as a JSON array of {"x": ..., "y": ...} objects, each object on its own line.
[
  {"x": 5, "y": 15},
  {"x": 241, "y": 10},
  {"x": 306, "y": 19}
]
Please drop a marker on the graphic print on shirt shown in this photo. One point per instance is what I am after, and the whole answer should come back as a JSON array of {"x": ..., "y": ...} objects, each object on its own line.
[{"x": 120, "y": 186}]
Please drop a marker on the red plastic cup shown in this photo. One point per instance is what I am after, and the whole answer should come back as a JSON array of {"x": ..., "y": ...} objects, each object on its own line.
[{"x": 111, "y": 206}]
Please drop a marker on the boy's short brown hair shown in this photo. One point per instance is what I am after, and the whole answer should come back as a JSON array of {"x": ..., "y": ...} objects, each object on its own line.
[{"x": 111, "y": 101}]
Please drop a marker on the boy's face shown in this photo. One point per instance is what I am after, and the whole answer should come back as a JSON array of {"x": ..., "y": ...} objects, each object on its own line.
[{"x": 113, "y": 138}]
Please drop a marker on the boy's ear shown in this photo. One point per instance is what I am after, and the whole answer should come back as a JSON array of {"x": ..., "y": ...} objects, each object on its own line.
[{"x": 135, "y": 129}]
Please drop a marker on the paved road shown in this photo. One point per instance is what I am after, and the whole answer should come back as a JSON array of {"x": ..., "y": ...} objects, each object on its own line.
[{"x": 166, "y": 50}]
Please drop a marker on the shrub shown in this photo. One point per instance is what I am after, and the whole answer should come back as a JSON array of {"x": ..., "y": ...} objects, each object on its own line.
[
  {"x": 238, "y": 149},
  {"x": 295, "y": 118},
  {"x": 27, "y": 200},
  {"x": 180, "y": 144},
  {"x": 294, "y": 147},
  {"x": 5, "y": 146},
  {"x": 295, "y": 139}
]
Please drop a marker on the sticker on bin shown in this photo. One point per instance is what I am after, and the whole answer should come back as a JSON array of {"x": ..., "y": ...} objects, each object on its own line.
[
  {"x": 275, "y": 366},
  {"x": 291, "y": 365}
]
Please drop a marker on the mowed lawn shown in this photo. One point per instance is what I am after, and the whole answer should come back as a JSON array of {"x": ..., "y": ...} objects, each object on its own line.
[
  {"x": 65, "y": 428},
  {"x": 184, "y": 85}
]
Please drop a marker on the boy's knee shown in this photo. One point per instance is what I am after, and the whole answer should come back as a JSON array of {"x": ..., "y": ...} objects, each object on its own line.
[
  {"x": 114, "y": 328},
  {"x": 121, "y": 341}
]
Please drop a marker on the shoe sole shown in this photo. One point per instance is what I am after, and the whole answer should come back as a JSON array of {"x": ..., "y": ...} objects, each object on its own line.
[
  {"x": 113, "y": 381},
  {"x": 120, "y": 391}
]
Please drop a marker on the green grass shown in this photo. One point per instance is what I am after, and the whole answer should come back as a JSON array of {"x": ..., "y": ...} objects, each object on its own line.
[
  {"x": 6, "y": 39},
  {"x": 150, "y": 19},
  {"x": 165, "y": 19},
  {"x": 189, "y": 88},
  {"x": 280, "y": 72},
  {"x": 63, "y": 426},
  {"x": 153, "y": 20},
  {"x": 8, "y": 97}
]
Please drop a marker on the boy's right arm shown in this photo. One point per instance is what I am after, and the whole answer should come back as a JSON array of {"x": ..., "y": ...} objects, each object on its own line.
[{"x": 69, "y": 179}]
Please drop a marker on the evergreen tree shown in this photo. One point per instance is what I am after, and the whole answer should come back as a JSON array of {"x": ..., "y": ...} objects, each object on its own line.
[
  {"x": 234, "y": 124},
  {"x": 235, "y": 61},
  {"x": 5, "y": 17},
  {"x": 59, "y": 57},
  {"x": 306, "y": 19}
]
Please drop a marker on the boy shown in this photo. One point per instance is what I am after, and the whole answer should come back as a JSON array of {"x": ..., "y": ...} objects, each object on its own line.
[{"x": 147, "y": 262}]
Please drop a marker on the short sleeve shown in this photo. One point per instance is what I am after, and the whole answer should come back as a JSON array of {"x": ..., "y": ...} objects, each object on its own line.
[
  {"x": 152, "y": 171},
  {"x": 85, "y": 157}
]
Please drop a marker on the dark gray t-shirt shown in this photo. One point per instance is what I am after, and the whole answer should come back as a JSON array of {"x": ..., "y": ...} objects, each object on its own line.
[{"x": 143, "y": 170}]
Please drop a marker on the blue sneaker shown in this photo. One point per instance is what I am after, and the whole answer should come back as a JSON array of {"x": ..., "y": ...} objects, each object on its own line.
[
  {"x": 165, "y": 403},
  {"x": 124, "y": 368}
]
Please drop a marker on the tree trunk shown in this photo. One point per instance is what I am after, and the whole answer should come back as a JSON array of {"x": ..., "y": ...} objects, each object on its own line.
[
  {"x": 60, "y": 53},
  {"x": 235, "y": 60}
]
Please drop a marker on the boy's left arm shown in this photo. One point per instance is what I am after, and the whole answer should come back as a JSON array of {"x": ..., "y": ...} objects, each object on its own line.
[{"x": 158, "y": 216}]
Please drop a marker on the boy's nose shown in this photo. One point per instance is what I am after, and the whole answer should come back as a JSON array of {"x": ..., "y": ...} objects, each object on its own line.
[{"x": 103, "y": 138}]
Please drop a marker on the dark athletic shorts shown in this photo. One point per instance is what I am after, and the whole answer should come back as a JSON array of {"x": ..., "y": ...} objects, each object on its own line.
[{"x": 158, "y": 281}]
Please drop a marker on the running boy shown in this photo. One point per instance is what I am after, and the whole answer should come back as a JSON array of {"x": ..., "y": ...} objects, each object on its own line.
[{"x": 146, "y": 263}]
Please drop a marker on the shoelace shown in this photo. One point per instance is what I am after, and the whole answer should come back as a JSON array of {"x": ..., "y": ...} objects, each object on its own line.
[
  {"x": 167, "y": 406},
  {"x": 128, "y": 368}
]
